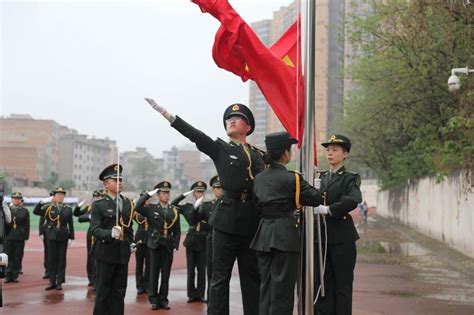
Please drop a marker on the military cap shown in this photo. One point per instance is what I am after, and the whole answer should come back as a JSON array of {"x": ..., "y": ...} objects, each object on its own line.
[
  {"x": 17, "y": 195},
  {"x": 339, "y": 140},
  {"x": 97, "y": 193},
  {"x": 163, "y": 186},
  {"x": 215, "y": 182},
  {"x": 279, "y": 140},
  {"x": 240, "y": 110},
  {"x": 51, "y": 193},
  {"x": 59, "y": 190},
  {"x": 199, "y": 186},
  {"x": 111, "y": 172}
]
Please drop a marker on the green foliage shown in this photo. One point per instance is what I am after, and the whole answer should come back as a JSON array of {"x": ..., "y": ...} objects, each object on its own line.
[
  {"x": 404, "y": 122},
  {"x": 67, "y": 184},
  {"x": 52, "y": 181}
]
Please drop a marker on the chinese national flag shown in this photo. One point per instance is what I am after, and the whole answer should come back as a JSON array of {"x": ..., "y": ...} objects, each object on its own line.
[{"x": 275, "y": 70}]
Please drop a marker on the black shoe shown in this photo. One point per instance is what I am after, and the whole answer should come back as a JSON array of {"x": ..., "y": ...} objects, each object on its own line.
[
  {"x": 190, "y": 300},
  {"x": 8, "y": 280},
  {"x": 51, "y": 287},
  {"x": 165, "y": 306},
  {"x": 21, "y": 272},
  {"x": 90, "y": 284},
  {"x": 15, "y": 280},
  {"x": 46, "y": 276},
  {"x": 201, "y": 299},
  {"x": 140, "y": 291},
  {"x": 154, "y": 307},
  {"x": 59, "y": 287}
]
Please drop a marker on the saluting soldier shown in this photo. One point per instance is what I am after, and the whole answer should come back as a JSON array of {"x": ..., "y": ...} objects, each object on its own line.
[
  {"x": 205, "y": 211},
  {"x": 41, "y": 230},
  {"x": 112, "y": 243},
  {"x": 142, "y": 259},
  {"x": 235, "y": 220},
  {"x": 195, "y": 243},
  {"x": 163, "y": 240},
  {"x": 17, "y": 235},
  {"x": 59, "y": 232},
  {"x": 85, "y": 216},
  {"x": 342, "y": 191},
  {"x": 278, "y": 194}
]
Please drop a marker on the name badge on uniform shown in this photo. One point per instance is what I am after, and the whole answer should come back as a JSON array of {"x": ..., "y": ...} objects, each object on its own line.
[
  {"x": 156, "y": 214},
  {"x": 233, "y": 157},
  {"x": 110, "y": 210}
]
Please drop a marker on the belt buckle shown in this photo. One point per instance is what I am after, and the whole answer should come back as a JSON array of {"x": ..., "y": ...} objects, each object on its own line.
[{"x": 243, "y": 196}]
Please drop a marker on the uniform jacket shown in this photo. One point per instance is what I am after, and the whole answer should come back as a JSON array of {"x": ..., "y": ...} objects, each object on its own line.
[
  {"x": 103, "y": 219},
  {"x": 275, "y": 197},
  {"x": 236, "y": 165},
  {"x": 343, "y": 195},
  {"x": 20, "y": 225},
  {"x": 164, "y": 224},
  {"x": 205, "y": 210},
  {"x": 142, "y": 230},
  {"x": 195, "y": 237},
  {"x": 58, "y": 224}
]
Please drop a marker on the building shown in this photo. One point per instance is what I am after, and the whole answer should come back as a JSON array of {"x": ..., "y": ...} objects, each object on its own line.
[
  {"x": 29, "y": 149},
  {"x": 329, "y": 68},
  {"x": 81, "y": 159},
  {"x": 142, "y": 170}
]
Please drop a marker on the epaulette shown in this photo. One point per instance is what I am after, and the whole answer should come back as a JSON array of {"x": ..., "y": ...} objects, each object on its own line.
[
  {"x": 354, "y": 173},
  {"x": 293, "y": 171},
  {"x": 262, "y": 153}
]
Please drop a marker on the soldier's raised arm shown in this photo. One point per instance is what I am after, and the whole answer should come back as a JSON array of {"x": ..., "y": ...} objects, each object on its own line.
[{"x": 203, "y": 142}]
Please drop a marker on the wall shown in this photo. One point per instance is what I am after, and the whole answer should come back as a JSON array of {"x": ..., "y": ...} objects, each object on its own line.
[{"x": 443, "y": 211}]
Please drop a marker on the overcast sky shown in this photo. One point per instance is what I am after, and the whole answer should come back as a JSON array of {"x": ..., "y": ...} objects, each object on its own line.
[{"x": 88, "y": 65}]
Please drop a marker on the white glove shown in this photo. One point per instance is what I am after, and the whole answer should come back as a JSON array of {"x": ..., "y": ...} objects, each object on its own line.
[
  {"x": 158, "y": 108},
  {"x": 198, "y": 202},
  {"x": 153, "y": 192},
  {"x": 69, "y": 243},
  {"x": 4, "y": 260},
  {"x": 321, "y": 210},
  {"x": 47, "y": 200},
  {"x": 89, "y": 216},
  {"x": 317, "y": 183},
  {"x": 116, "y": 231},
  {"x": 133, "y": 247},
  {"x": 188, "y": 193},
  {"x": 6, "y": 210},
  {"x": 41, "y": 236},
  {"x": 81, "y": 203}
]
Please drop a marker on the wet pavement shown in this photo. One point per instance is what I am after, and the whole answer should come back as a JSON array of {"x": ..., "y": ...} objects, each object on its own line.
[{"x": 398, "y": 271}]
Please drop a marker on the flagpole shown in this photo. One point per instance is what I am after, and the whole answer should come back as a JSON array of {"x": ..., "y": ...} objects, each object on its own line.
[
  {"x": 118, "y": 190},
  {"x": 307, "y": 160}
]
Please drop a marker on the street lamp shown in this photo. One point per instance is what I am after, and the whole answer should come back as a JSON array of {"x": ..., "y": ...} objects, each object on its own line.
[{"x": 454, "y": 83}]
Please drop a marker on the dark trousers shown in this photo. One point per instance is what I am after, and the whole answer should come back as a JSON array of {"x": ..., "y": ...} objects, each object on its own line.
[
  {"x": 111, "y": 285},
  {"x": 57, "y": 261},
  {"x": 196, "y": 261},
  {"x": 14, "y": 250},
  {"x": 142, "y": 268},
  {"x": 338, "y": 278},
  {"x": 90, "y": 263},
  {"x": 161, "y": 260},
  {"x": 278, "y": 273},
  {"x": 226, "y": 248},
  {"x": 45, "y": 256},
  {"x": 209, "y": 261}
]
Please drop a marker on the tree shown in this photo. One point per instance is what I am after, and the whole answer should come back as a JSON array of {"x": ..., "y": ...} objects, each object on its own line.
[
  {"x": 403, "y": 120},
  {"x": 51, "y": 182}
]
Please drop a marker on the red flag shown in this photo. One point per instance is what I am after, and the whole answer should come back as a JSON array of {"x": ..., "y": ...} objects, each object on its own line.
[{"x": 276, "y": 71}]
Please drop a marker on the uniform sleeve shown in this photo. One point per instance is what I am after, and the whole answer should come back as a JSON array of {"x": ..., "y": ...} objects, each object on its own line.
[
  {"x": 203, "y": 142},
  {"x": 177, "y": 200},
  {"x": 348, "y": 202},
  {"x": 84, "y": 217},
  {"x": 140, "y": 205},
  {"x": 40, "y": 226},
  {"x": 78, "y": 212},
  {"x": 96, "y": 221},
  {"x": 27, "y": 230},
  {"x": 39, "y": 210},
  {"x": 309, "y": 196},
  {"x": 177, "y": 232},
  {"x": 71, "y": 227}
]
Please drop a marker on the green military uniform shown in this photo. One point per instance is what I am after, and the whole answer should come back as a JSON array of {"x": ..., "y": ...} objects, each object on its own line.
[
  {"x": 342, "y": 190},
  {"x": 278, "y": 193},
  {"x": 111, "y": 255},
  {"x": 15, "y": 239},
  {"x": 195, "y": 244},
  {"x": 58, "y": 229},
  {"x": 142, "y": 259},
  {"x": 234, "y": 220},
  {"x": 163, "y": 239},
  {"x": 205, "y": 211},
  {"x": 45, "y": 241}
]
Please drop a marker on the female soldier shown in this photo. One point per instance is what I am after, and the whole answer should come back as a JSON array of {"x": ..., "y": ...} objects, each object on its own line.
[
  {"x": 341, "y": 188},
  {"x": 278, "y": 193}
]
